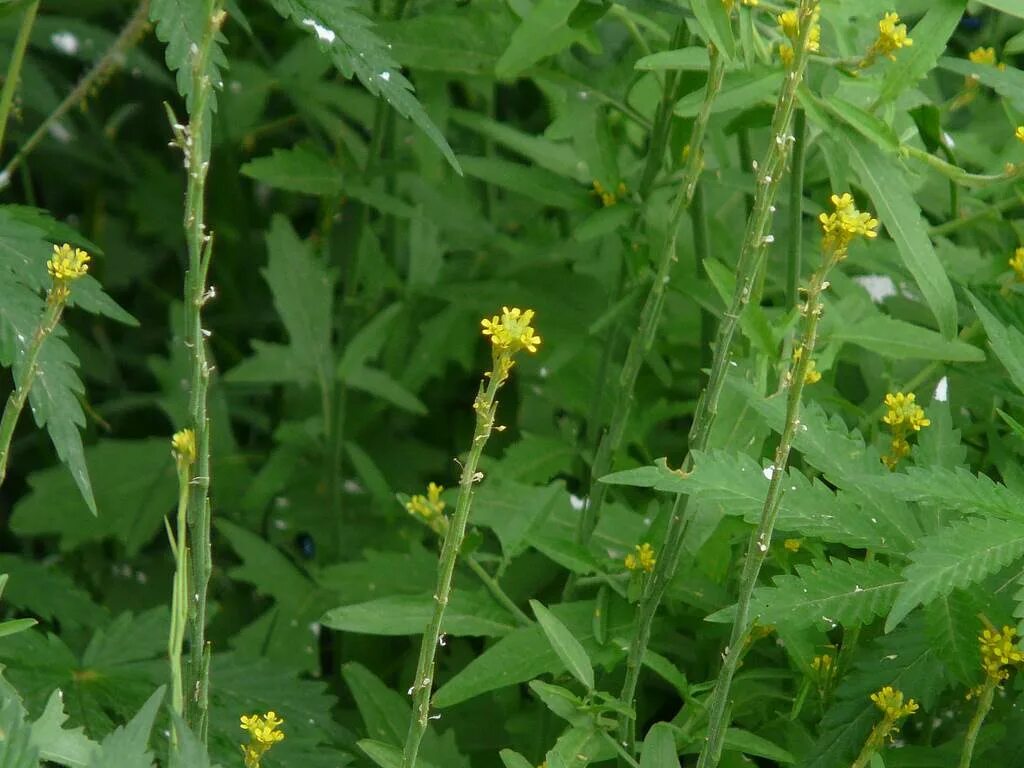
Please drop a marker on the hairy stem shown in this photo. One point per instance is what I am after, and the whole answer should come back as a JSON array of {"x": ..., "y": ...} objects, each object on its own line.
[
  {"x": 794, "y": 248},
  {"x": 988, "y": 691},
  {"x": 14, "y": 67},
  {"x": 179, "y": 597},
  {"x": 485, "y": 406},
  {"x": 200, "y": 246},
  {"x": 111, "y": 60},
  {"x": 650, "y": 315},
  {"x": 24, "y": 379},
  {"x": 751, "y": 252}
]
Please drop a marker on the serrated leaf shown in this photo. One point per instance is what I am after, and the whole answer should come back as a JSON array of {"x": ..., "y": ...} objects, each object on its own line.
[
  {"x": 824, "y": 594},
  {"x": 568, "y": 648},
  {"x": 901, "y": 340},
  {"x": 900, "y": 215},
  {"x": 190, "y": 752},
  {"x": 470, "y": 613},
  {"x": 544, "y": 31},
  {"x": 16, "y": 747},
  {"x": 961, "y": 554},
  {"x": 953, "y": 629},
  {"x": 68, "y": 747},
  {"x": 181, "y": 24},
  {"x": 367, "y": 342},
  {"x": 128, "y": 745},
  {"x": 1006, "y": 341},
  {"x": 296, "y": 169},
  {"x": 535, "y": 183},
  {"x": 955, "y": 489},
  {"x": 348, "y": 37}
]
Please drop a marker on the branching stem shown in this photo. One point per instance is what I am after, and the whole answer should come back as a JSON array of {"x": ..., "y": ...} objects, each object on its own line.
[{"x": 14, "y": 67}]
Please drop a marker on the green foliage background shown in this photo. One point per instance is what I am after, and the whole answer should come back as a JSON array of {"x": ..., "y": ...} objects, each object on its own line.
[{"x": 362, "y": 228}]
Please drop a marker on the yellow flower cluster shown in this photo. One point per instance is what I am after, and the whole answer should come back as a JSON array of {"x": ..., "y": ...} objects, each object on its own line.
[
  {"x": 609, "y": 198},
  {"x": 892, "y": 35},
  {"x": 510, "y": 333},
  {"x": 812, "y": 375},
  {"x": 904, "y": 416},
  {"x": 1019, "y": 133},
  {"x": 985, "y": 57},
  {"x": 982, "y": 56},
  {"x": 843, "y": 225},
  {"x": 1017, "y": 264},
  {"x": 430, "y": 507},
  {"x": 822, "y": 664},
  {"x": 789, "y": 22},
  {"x": 890, "y": 702},
  {"x": 641, "y": 558},
  {"x": 999, "y": 651},
  {"x": 66, "y": 264},
  {"x": 263, "y": 734},
  {"x": 183, "y": 447},
  {"x": 793, "y": 545}
]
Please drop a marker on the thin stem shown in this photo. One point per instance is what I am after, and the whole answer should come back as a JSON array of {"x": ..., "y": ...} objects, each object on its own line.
[
  {"x": 796, "y": 197},
  {"x": 14, "y": 67},
  {"x": 988, "y": 691},
  {"x": 761, "y": 538},
  {"x": 179, "y": 596},
  {"x": 650, "y": 316},
  {"x": 499, "y": 594},
  {"x": 701, "y": 252},
  {"x": 662, "y": 120},
  {"x": 940, "y": 230},
  {"x": 486, "y": 407},
  {"x": 958, "y": 175},
  {"x": 875, "y": 740},
  {"x": 751, "y": 253},
  {"x": 24, "y": 380},
  {"x": 200, "y": 247},
  {"x": 128, "y": 38}
]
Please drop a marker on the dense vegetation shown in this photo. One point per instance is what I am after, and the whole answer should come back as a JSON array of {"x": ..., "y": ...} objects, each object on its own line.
[{"x": 486, "y": 383}]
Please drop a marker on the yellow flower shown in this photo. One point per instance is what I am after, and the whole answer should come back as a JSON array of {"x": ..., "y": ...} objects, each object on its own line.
[
  {"x": 998, "y": 651},
  {"x": 789, "y": 21},
  {"x": 890, "y": 702},
  {"x": 986, "y": 56},
  {"x": 430, "y": 507},
  {"x": 67, "y": 263},
  {"x": 840, "y": 227},
  {"x": 822, "y": 664},
  {"x": 751, "y": 3},
  {"x": 812, "y": 375},
  {"x": 609, "y": 198},
  {"x": 891, "y": 37},
  {"x": 511, "y": 332},
  {"x": 786, "y": 55},
  {"x": 1017, "y": 262},
  {"x": 793, "y": 545},
  {"x": 183, "y": 446},
  {"x": 903, "y": 410},
  {"x": 1019, "y": 133},
  {"x": 641, "y": 559},
  {"x": 264, "y": 733}
]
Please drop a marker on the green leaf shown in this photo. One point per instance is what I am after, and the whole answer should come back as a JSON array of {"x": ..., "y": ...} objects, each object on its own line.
[
  {"x": 749, "y": 743},
  {"x": 953, "y": 629},
  {"x": 862, "y": 121},
  {"x": 568, "y": 648},
  {"x": 1011, "y": 7},
  {"x": 513, "y": 510},
  {"x": 514, "y": 759},
  {"x": 557, "y": 157},
  {"x": 901, "y": 216},
  {"x": 930, "y": 35},
  {"x": 128, "y": 745},
  {"x": 379, "y": 384},
  {"x": 368, "y": 341},
  {"x": 577, "y": 748},
  {"x": 14, "y": 626},
  {"x": 955, "y": 489},
  {"x": 470, "y": 613},
  {"x": 190, "y": 752},
  {"x": 687, "y": 59},
  {"x": 534, "y": 183},
  {"x": 464, "y": 40},
  {"x": 823, "y": 595},
  {"x": 303, "y": 293},
  {"x": 901, "y": 340},
  {"x": 45, "y": 590},
  {"x": 1006, "y": 341},
  {"x": 16, "y": 748},
  {"x": 297, "y": 169},
  {"x": 659, "y": 750},
  {"x": 387, "y": 755},
  {"x": 180, "y": 24},
  {"x": 69, "y": 747},
  {"x": 741, "y": 89},
  {"x": 961, "y": 554},
  {"x": 717, "y": 25},
  {"x": 543, "y": 31},
  {"x": 348, "y": 37}
]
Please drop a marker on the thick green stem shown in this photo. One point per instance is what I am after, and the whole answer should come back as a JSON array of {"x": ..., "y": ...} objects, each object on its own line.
[
  {"x": 988, "y": 691},
  {"x": 486, "y": 407},
  {"x": 200, "y": 245},
  {"x": 113, "y": 58},
  {"x": 24, "y": 379},
  {"x": 14, "y": 68},
  {"x": 795, "y": 246},
  {"x": 751, "y": 253},
  {"x": 650, "y": 315},
  {"x": 761, "y": 538}
]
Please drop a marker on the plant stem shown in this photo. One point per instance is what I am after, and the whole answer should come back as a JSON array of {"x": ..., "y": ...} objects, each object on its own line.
[
  {"x": 485, "y": 406},
  {"x": 24, "y": 379},
  {"x": 662, "y": 120},
  {"x": 650, "y": 315},
  {"x": 761, "y": 538},
  {"x": 14, "y": 67},
  {"x": 794, "y": 249},
  {"x": 113, "y": 58},
  {"x": 200, "y": 246},
  {"x": 497, "y": 592},
  {"x": 988, "y": 691},
  {"x": 875, "y": 740},
  {"x": 751, "y": 253},
  {"x": 179, "y": 597}
]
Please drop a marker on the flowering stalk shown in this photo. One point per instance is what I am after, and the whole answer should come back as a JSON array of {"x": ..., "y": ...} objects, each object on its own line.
[
  {"x": 192, "y": 141},
  {"x": 890, "y": 702},
  {"x": 264, "y": 733},
  {"x": 752, "y": 252},
  {"x": 839, "y": 229},
  {"x": 183, "y": 449},
  {"x": 999, "y": 654},
  {"x": 510, "y": 333},
  {"x": 14, "y": 67},
  {"x": 650, "y": 317},
  {"x": 65, "y": 266}
]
